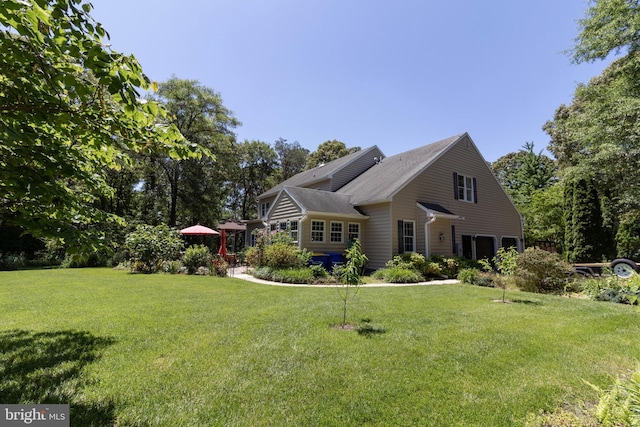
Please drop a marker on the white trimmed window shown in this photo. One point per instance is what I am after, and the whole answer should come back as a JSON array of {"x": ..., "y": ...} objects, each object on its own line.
[
  {"x": 409, "y": 236},
  {"x": 317, "y": 231},
  {"x": 353, "y": 231},
  {"x": 264, "y": 208},
  {"x": 336, "y": 232},
  {"x": 466, "y": 188},
  {"x": 293, "y": 230}
]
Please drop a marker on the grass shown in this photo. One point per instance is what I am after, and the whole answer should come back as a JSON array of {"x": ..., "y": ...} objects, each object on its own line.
[{"x": 165, "y": 350}]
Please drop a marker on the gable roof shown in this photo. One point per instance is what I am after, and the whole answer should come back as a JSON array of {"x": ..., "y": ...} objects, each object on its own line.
[
  {"x": 384, "y": 180},
  {"x": 320, "y": 201},
  {"x": 319, "y": 173}
]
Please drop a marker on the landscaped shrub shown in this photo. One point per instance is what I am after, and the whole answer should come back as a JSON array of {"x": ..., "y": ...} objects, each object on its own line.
[
  {"x": 12, "y": 261},
  {"x": 448, "y": 266},
  {"x": 196, "y": 256},
  {"x": 285, "y": 275},
  {"x": 473, "y": 276},
  {"x": 318, "y": 272},
  {"x": 281, "y": 255},
  {"x": 613, "y": 289},
  {"x": 398, "y": 275},
  {"x": 219, "y": 267},
  {"x": 172, "y": 267},
  {"x": 275, "y": 250},
  {"x": 431, "y": 269},
  {"x": 253, "y": 256},
  {"x": 540, "y": 271},
  {"x": 52, "y": 254},
  {"x": 148, "y": 246},
  {"x": 409, "y": 260},
  {"x": 83, "y": 260}
]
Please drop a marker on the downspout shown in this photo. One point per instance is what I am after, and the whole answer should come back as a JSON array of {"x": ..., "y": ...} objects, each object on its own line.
[{"x": 431, "y": 220}]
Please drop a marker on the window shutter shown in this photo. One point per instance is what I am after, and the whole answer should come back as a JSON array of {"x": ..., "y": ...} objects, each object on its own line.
[
  {"x": 475, "y": 191},
  {"x": 455, "y": 185},
  {"x": 400, "y": 236},
  {"x": 453, "y": 240}
]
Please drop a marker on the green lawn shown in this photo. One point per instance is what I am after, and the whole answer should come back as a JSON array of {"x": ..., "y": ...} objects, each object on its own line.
[{"x": 165, "y": 350}]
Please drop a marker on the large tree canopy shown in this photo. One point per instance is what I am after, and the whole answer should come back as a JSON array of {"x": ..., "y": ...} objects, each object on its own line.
[
  {"x": 328, "y": 151},
  {"x": 596, "y": 139},
  {"x": 70, "y": 109},
  {"x": 292, "y": 158},
  {"x": 609, "y": 26},
  {"x": 197, "y": 188},
  {"x": 528, "y": 177}
]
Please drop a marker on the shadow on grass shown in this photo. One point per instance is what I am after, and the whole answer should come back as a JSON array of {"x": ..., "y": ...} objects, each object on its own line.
[
  {"x": 526, "y": 301},
  {"x": 46, "y": 367},
  {"x": 368, "y": 330}
]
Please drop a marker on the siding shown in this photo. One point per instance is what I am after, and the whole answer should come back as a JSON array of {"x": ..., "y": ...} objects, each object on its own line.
[
  {"x": 327, "y": 246},
  {"x": 285, "y": 209},
  {"x": 379, "y": 235},
  {"x": 493, "y": 215}
]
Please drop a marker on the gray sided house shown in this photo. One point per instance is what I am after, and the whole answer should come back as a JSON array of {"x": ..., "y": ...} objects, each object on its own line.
[{"x": 439, "y": 199}]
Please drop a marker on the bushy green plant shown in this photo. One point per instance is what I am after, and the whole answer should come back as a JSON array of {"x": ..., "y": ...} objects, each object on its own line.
[
  {"x": 148, "y": 246},
  {"x": 281, "y": 255},
  {"x": 540, "y": 271},
  {"x": 219, "y": 266},
  {"x": 318, "y": 272},
  {"x": 613, "y": 289},
  {"x": 12, "y": 261},
  {"x": 402, "y": 261},
  {"x": 196, "y": 256},
  {"x": 52, "y": 254},
  {"x": 431, "y": 269},
  {"x": 449, "y": 266},
  {"x": 253, "y": 256},
  {"x": 473, "y": 276},
  {"x": 285, "y": 275},
  {"x": 172, "y": 267},
  {"x": 275, "y": 249},
  {"x": 304, "y": 256},
  {"x": 398, "y": 275},
  {"x": 83, "y": 260},
  {"x": 620, "y": 405}
]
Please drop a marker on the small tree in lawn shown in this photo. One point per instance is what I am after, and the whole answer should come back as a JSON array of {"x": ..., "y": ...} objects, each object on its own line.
[
  {"x": 351, "y": 275},
  {"x": 505, "y": 263}
]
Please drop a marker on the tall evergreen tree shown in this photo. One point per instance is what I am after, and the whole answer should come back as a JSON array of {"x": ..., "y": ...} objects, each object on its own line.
[{"x": 587, "y": 239}]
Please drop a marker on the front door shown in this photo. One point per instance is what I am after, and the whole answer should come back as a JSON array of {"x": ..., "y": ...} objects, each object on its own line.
[{"x": 467, "y": 249}]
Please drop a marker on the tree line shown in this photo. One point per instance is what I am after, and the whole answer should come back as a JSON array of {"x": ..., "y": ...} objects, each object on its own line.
[
  {"x": 89, "y": 145},
  {"x": 587, "y": 199}
]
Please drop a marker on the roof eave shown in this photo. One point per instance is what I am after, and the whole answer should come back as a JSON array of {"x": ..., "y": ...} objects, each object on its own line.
[{"x": 334, "y": 215}]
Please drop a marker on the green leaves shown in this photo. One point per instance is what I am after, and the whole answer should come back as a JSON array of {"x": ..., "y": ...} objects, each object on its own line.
[
  {"x": 608, "y": 26},
  {"x": 70, "y": 110}
]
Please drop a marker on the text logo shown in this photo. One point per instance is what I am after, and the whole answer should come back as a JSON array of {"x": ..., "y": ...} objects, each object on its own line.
[{"x": 34, "y": 415}]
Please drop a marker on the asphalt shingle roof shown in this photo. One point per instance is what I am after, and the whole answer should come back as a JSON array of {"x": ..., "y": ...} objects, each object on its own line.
[
  {"x": 386, "y": 178},
  {"x": 317, "y": 174},
  {"x": 311, "y": 200}
]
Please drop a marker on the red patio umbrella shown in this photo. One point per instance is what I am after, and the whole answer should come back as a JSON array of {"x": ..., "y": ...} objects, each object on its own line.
[
  {"x": 223, "y": 243},
  {"x": 231, "y": 225}
]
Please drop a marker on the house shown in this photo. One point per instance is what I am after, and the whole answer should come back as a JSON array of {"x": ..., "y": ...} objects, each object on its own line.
[{"x": 439, "y": 199}]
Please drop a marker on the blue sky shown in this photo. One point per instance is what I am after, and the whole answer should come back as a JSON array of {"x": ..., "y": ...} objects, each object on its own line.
[{"x": 398, "y": 74}]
